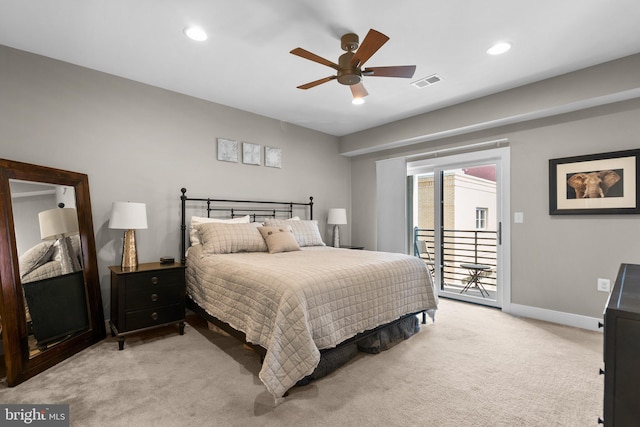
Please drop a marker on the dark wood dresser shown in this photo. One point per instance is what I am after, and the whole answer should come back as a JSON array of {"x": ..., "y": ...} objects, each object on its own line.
[
  {"x": 622, "y": 350},
  {"x": 149, "y": 296}
]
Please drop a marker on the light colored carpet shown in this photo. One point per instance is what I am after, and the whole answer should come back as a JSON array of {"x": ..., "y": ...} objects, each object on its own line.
[{"x": 474, "y": 367}]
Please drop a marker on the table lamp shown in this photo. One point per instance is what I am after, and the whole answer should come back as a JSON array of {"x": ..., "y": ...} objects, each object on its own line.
[
  {"x": 128, "y": 216},
  {"x": 58, "y": 224},
  {"x": 337, "y": 216}
]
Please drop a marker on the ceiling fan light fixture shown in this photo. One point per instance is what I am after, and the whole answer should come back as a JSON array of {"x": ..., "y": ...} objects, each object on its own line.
[
  {"x": 357, "y": 101},
  {"x": 349, "y": 78},
  {"x": 499, "y": 48},
  {"x": 350, "y": 64},
  {"x": 195, "y": 33}
]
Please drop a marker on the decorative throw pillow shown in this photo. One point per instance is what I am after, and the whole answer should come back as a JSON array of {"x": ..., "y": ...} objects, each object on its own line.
[
  {"x": 279, "y": 239},
  {"x": 305, "y": 231},
  {"x": 196, "y": 221},
  {"x": 221, "y": 238}
]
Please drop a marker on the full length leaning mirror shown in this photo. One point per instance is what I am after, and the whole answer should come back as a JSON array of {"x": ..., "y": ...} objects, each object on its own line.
[{"x": 50, "y": 304}]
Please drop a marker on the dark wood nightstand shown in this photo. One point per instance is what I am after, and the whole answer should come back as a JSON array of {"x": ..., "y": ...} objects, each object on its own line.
[{"x": 149, "y": 296}]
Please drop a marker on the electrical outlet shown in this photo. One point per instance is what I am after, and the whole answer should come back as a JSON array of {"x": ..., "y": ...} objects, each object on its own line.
[{"x": 604, "y": 285}]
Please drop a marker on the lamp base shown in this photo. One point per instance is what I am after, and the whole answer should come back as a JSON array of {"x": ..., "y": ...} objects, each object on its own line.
[
  {"x": 336, "y": 236},
  {"x": 129, "y": 252}
]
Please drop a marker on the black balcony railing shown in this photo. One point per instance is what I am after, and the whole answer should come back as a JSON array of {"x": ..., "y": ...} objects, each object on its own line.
[{"x": 459, "y": 247}]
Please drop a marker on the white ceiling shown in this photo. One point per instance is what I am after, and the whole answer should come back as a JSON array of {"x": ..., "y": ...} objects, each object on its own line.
[{"x": 246, "y": 64}]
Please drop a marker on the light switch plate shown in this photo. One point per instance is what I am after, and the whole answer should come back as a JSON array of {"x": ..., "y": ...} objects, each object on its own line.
[{"x": 518, "y": 217}]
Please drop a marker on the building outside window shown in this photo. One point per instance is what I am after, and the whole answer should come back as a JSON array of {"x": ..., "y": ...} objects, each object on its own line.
[{"x": 481, "y": 218}]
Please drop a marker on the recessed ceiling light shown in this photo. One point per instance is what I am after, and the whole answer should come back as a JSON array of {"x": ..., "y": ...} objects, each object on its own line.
[
  {"x": 357, "y": 101},
  {"x": 195, "y": 33},
  {"x": 499, "y": 48}
]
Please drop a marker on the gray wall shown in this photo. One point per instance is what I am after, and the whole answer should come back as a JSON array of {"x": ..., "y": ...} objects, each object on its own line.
[
  {"x": 26, "y": 223},
  {"x": 555, "y": 260},
  {"x": 140, "y": 143}
]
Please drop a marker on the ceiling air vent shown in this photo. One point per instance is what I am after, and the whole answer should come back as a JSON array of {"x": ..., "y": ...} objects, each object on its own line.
[{"x": 427, "y": 81}]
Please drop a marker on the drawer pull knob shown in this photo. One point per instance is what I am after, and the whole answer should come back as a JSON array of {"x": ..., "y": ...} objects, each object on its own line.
[
  {"x": 601, "y": 372},
  {"x": 600, "y": 421},
  {"x": 154, "y": 297},
  {"x": 600, "y": 324},
  {"x": 154, "y": 316},
  {"x": 154, "y": 280}
]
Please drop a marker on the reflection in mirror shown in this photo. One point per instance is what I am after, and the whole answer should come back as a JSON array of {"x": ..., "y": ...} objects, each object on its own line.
[
  {"x": 50, "y": 262},
  {"x": 64, "y": 302}
]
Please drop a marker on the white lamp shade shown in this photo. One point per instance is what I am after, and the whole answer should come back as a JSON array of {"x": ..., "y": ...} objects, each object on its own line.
[
  {"x": 128, "y": 216},
  {"x": 58, "y": 222},
  {"x": 337, "y": 216}
]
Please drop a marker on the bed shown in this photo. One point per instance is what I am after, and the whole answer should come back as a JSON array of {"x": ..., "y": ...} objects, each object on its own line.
[
  {"x": 43, "y": 260},
  {"x": 42, "y": 264},
  {"x": 265, "y": 276}
]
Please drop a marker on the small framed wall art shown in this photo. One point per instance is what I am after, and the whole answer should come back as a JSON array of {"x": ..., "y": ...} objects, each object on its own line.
[
  {"x": 251, "y": 154},
  {"x": 227, "y": 150},
  {"x": 606, "y": 183},
  {"x": 272, "y": 157}
]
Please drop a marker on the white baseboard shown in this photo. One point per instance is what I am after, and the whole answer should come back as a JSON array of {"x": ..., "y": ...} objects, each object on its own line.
[{"x": 560, "y": 317}]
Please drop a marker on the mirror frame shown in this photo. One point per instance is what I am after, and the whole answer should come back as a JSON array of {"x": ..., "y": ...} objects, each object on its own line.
[{"x": 19, "y": 365}]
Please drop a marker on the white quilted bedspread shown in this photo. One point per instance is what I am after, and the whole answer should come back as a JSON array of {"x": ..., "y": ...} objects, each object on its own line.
[{"x": 296, "y": 303}]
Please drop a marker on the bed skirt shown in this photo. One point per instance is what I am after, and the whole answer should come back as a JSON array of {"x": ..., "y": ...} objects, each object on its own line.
[
  {"x": 379, "y": 339},
  {"x": 373, "y": 342}
]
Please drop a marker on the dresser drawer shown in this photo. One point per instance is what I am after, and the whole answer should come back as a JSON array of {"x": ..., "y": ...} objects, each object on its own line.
[
  {"x": 156, "y": 297},
  {"x": 154, "y": 316}
]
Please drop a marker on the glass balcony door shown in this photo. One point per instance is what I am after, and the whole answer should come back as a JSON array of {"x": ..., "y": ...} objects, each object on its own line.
[{"x": 458, "y": 209}]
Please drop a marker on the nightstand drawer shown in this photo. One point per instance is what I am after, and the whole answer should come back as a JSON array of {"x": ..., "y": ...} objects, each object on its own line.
[
  {"x": 154, "y": 316},
  {"x": 149, "y": 298},
  {"x": 153, "y": 279}
]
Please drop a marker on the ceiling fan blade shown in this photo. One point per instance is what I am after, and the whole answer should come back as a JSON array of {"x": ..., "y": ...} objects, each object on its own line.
[
  {"x": 315, "y": 58},
  {"x": 405, "y": 71},
  {"x": 358, "y": 90},
  {"x": 370, "y": 45},
  {"x": 317, "y": 82}
]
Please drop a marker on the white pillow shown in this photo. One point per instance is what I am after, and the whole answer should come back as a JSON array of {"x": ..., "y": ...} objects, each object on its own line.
[
  {"x": 196, "y": 221},
  {"x": 305, "y": 231}
]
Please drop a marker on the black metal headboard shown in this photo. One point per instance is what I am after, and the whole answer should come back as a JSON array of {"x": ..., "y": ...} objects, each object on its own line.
[{"x": 229, "y": 208}]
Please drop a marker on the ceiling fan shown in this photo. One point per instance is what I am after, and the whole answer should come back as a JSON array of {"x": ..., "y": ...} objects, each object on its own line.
[{"x": 349, "y": 66}]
